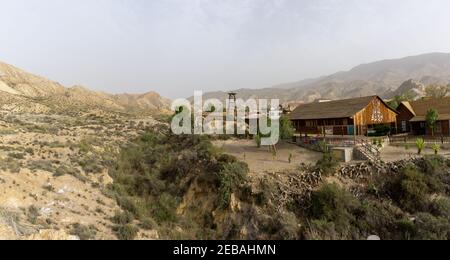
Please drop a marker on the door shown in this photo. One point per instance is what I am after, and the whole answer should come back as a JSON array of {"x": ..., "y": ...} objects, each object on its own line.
[
  {"x": 438, "y": 128},
  {"x": 351, "y": 130}
]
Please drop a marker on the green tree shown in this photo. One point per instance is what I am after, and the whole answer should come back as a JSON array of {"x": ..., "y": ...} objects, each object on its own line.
[
  {"x": 432, "y": 118},
  {"x": 286, "y": 128}
]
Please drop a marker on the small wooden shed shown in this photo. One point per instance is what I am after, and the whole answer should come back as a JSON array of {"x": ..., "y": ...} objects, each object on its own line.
[{"x": 412, "y": 116}]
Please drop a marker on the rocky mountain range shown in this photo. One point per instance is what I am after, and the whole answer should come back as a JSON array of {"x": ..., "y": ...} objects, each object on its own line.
[
  {"x": 21, "y": 91},
  {"x": 381, "y": 78}
]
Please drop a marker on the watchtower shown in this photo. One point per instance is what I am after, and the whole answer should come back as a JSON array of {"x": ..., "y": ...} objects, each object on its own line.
[{"x": 232, "y": 101}]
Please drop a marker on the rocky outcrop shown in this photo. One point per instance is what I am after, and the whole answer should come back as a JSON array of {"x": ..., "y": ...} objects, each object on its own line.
[{"x": 411, "y": 87}]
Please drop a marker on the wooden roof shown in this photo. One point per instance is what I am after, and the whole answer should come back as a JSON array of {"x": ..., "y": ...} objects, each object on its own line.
[
  {"x": 420, "y": 108},
  {"x": 409, "y": 107},
  {"x": 345, "y": 108}
]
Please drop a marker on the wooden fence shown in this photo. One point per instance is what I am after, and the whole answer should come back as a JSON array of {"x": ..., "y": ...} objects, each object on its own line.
[
  {"x": 399, "y": 139},
  {"x": 322, "y": 143}
]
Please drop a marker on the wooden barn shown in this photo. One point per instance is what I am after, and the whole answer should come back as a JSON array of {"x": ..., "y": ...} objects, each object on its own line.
[
  {"x": 412, "y": 116},
  {"x": 356, "y": 116}
]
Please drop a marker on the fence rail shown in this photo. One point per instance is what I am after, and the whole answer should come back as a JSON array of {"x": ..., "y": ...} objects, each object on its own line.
[
  {"x": 412, "y": 139},
  {"x": 321, "y": 144}
]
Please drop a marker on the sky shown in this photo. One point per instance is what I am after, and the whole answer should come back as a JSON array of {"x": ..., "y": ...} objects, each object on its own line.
[{"x": 174, "y": 47}]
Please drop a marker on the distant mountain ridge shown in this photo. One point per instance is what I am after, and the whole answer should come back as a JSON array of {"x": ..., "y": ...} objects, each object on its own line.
[
  {"x": 24, "y": 92},
  {"x": 381, "y": 78}
]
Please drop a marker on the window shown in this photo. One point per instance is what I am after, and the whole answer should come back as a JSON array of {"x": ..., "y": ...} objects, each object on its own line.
[
  {"x": 439, "y": 128},
  {"x": 311, "y": 123},
  {"x": 404, "y": 128}
]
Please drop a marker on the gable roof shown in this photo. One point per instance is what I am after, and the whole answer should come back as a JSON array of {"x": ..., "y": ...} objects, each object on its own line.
[
  {"x": 333, "y": 109},
  {"x": 409, "y": 107},
  {"x": 421, "y": 107}
]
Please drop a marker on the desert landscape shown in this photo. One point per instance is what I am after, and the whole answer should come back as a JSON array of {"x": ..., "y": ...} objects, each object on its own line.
[
  {"x": 67, "y": 165},
  {"x": 112, "y": 119}
]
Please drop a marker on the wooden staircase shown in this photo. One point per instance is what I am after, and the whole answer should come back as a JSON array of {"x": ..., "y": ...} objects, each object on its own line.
[{"x": 367, "y": 151}]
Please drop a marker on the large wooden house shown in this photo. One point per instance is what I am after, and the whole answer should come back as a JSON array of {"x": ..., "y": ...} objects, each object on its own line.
[
  {"x": 356, "y": 116},
  {"x": 412, "y": 116}
]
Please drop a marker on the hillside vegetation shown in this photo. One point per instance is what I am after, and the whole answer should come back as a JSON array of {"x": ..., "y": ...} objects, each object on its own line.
[{"x": 187, "y": 189}]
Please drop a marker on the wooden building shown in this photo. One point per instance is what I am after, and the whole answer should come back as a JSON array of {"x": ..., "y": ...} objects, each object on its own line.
[
  {"x": 356, "y": 116},
  {"x": 412, "y": 116}
]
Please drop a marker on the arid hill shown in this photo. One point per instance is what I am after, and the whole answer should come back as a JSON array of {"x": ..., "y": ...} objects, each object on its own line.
[{"x": 21, "y": 91}]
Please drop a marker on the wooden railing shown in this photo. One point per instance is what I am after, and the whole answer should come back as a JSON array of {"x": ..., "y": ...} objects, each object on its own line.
[
  {"x": 398, "y": 139},
  {"x": 367, "y": 146}
]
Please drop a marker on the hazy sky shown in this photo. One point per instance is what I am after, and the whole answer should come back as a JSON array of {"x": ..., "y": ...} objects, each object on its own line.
[{"x": 176, "y": 46}]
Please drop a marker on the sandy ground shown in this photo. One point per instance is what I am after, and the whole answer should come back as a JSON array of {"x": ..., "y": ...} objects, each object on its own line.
[
  {"x": 396, "y": 153},
  {"x": 69, "y": 201},
  {"x": 35, "y": 202},
  {"x": 261, "y": 160}
]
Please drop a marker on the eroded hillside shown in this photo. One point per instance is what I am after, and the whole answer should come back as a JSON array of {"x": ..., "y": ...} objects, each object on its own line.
[
  {"x": 186, "y": 188},
  {"x": 54, "y": 174},
  {"x": 24, "y": 92}
]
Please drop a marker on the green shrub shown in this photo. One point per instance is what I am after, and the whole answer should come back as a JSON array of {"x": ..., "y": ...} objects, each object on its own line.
[
  {"x": 231, "y": 177},
  {"x": 429, "y": 227},
  {"x": 333, "y": 204},
  {"x": 328, "y": 164},
  {"x": 64, "y": 170},
  {"x": 126, "y": 232},
  {"x": 420, "y": 143},
  {"x": 432, "y": 164},
  {"x": 289, "y": 227},
  {"x": 281, "y": 225},
  {"x": 380, "y": 218},
  {"x": 83, "y": 232},
  {"x": 18, "y": 156},
  {"x": 29, "y": 151},
  {"x": 153, "y": 174},
  {"x": 123, "y": 218},
  {"x": 434, "y": 169},
  {"x": 406, "y": 229},
  {"x": 381, "y": 130},
  {"x": 90, "y": 164},
  {"x": 149, "y": 224},
  {"x": 436, "y": 148},
  {"x": 441, "y": 207},
  {"x": 409, "y": 189},
  {"x": 129, "y": 204},
  {"x": 164, "y": 210},
  {"x": 320, "y": 229},
  {"x": 42, "y": 165},
  {"x": 10, "y": 164}
]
